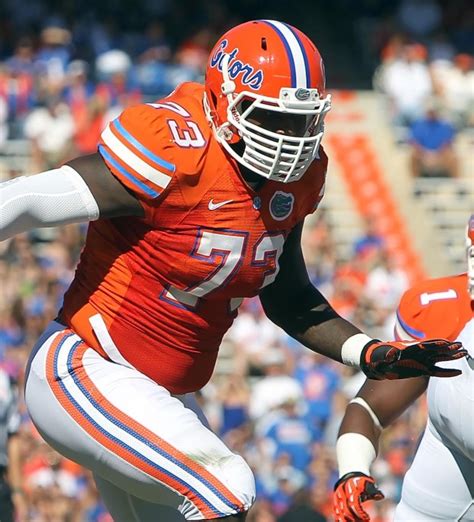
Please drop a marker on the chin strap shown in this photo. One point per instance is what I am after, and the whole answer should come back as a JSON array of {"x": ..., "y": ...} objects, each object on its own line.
[
  {"x": 228, "y": 86},
  {"x": 223, "y": 132}
]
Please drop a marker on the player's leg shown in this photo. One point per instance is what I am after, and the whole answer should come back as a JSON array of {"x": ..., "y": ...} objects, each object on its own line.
[
  {"x": 125, "y": 507},
  {"x": 124, "y": 427},
  {"x": 435, "y": 487},
  {"x": 189, "y": 401}
]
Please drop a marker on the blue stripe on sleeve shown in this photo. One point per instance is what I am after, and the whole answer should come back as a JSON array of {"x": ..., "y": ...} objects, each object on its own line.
[
  {"x": 414, "y": 333},
  {"x": 150, "y": 192},
  {"x": 146, "y": 152}
]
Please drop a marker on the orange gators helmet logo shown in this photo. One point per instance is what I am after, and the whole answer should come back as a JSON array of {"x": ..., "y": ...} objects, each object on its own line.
[{"x": 265, "y": 98}]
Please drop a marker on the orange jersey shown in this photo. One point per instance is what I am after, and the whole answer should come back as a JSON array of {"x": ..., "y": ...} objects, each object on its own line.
[
  {"x": 435, "y": 308},
  {"x": 168, "y": 285}
]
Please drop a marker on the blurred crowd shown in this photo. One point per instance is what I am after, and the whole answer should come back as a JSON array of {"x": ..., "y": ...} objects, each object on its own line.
[
  {"x": 34, "y": 272},
  {"x": 61, "y": 103},
  {"x": 62, "y": 78},
  {"x": 430, "y": 99},
  {"x": 426, "y": 71}
]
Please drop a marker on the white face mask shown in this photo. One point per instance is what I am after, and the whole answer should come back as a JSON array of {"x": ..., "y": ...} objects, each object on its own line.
[{"x": 281, "y": 135}]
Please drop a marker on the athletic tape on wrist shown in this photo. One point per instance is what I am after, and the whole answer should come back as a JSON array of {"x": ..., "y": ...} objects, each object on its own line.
[
  {"x": 352, "y": 349},
  {"x": 354, "y": 452},
  {"x": 361, "y": 402}
]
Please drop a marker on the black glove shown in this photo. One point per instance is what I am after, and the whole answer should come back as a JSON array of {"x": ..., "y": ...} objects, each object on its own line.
[{"x": 403, "y": 359}]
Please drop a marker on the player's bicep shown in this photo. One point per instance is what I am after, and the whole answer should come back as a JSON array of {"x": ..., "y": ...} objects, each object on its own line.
[
  {"x": 292, "y": 293},
  {"x": 292, "y": 276},
  {"x": 389, "y": 399},
  {"x": 111, "y": 196}
]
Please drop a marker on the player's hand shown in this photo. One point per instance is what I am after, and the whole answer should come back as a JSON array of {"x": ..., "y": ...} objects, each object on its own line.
[
  {"x": 404, "y": 359},
  {"x": 349, "y": 492}
]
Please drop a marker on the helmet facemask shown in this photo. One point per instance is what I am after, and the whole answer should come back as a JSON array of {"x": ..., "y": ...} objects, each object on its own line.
[{"x": 281, "y": 136}]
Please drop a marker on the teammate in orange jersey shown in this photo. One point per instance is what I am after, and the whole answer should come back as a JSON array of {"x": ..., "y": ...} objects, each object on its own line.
[
  {"x": 440, "y": 483},
  {"x": 195, "y": 202}
]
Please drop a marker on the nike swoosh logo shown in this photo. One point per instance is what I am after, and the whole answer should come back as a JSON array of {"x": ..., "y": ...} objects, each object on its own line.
[{"x": 215, "y": 206}]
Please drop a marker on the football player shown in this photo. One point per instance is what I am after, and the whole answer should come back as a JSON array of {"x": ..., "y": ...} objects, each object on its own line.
[
  {"x": 440, "y": 482},
  {"x": 195, "y": 202}
]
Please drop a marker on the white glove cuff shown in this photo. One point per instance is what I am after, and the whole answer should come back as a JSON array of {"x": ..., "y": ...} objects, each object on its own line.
[
  {"x": 352, "y": 349},
  {"x": 354, "y": 452}
]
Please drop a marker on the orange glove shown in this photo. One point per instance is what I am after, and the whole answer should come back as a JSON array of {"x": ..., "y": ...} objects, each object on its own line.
[{"x": 349, "y": 492}]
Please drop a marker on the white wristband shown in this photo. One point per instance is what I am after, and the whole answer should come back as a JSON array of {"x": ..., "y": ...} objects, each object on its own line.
[
  {"x": 354, "y": 452},
  {"x": 352, "y": 348}
]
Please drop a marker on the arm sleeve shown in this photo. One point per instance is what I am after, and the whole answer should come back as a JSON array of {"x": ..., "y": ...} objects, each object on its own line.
[
  {"x": 137, "y": 148},
  {"x": 51, "y": 198}
]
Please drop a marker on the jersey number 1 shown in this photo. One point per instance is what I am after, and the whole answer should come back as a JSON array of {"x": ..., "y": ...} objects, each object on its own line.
[{"x": 427, "y": 297}]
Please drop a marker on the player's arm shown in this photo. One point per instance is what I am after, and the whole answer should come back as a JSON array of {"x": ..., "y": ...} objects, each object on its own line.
[
  {"x": 82, "y": 190},
  {"x": 377, "y": 405},
  {"x": 113, "y": 198},
  {"x": 295, "y": 305}
]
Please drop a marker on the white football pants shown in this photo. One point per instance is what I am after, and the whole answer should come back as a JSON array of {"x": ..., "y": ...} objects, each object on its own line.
[
  {"x": 439, "y": 484},
  {"x": 145, "y": 447}
]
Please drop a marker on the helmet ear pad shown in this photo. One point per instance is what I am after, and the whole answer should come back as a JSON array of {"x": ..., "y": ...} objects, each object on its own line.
[{"x": 225, "y": 131}]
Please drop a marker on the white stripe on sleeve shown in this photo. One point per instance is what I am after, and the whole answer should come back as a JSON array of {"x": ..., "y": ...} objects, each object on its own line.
[{"x": 135, "y": 162}]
